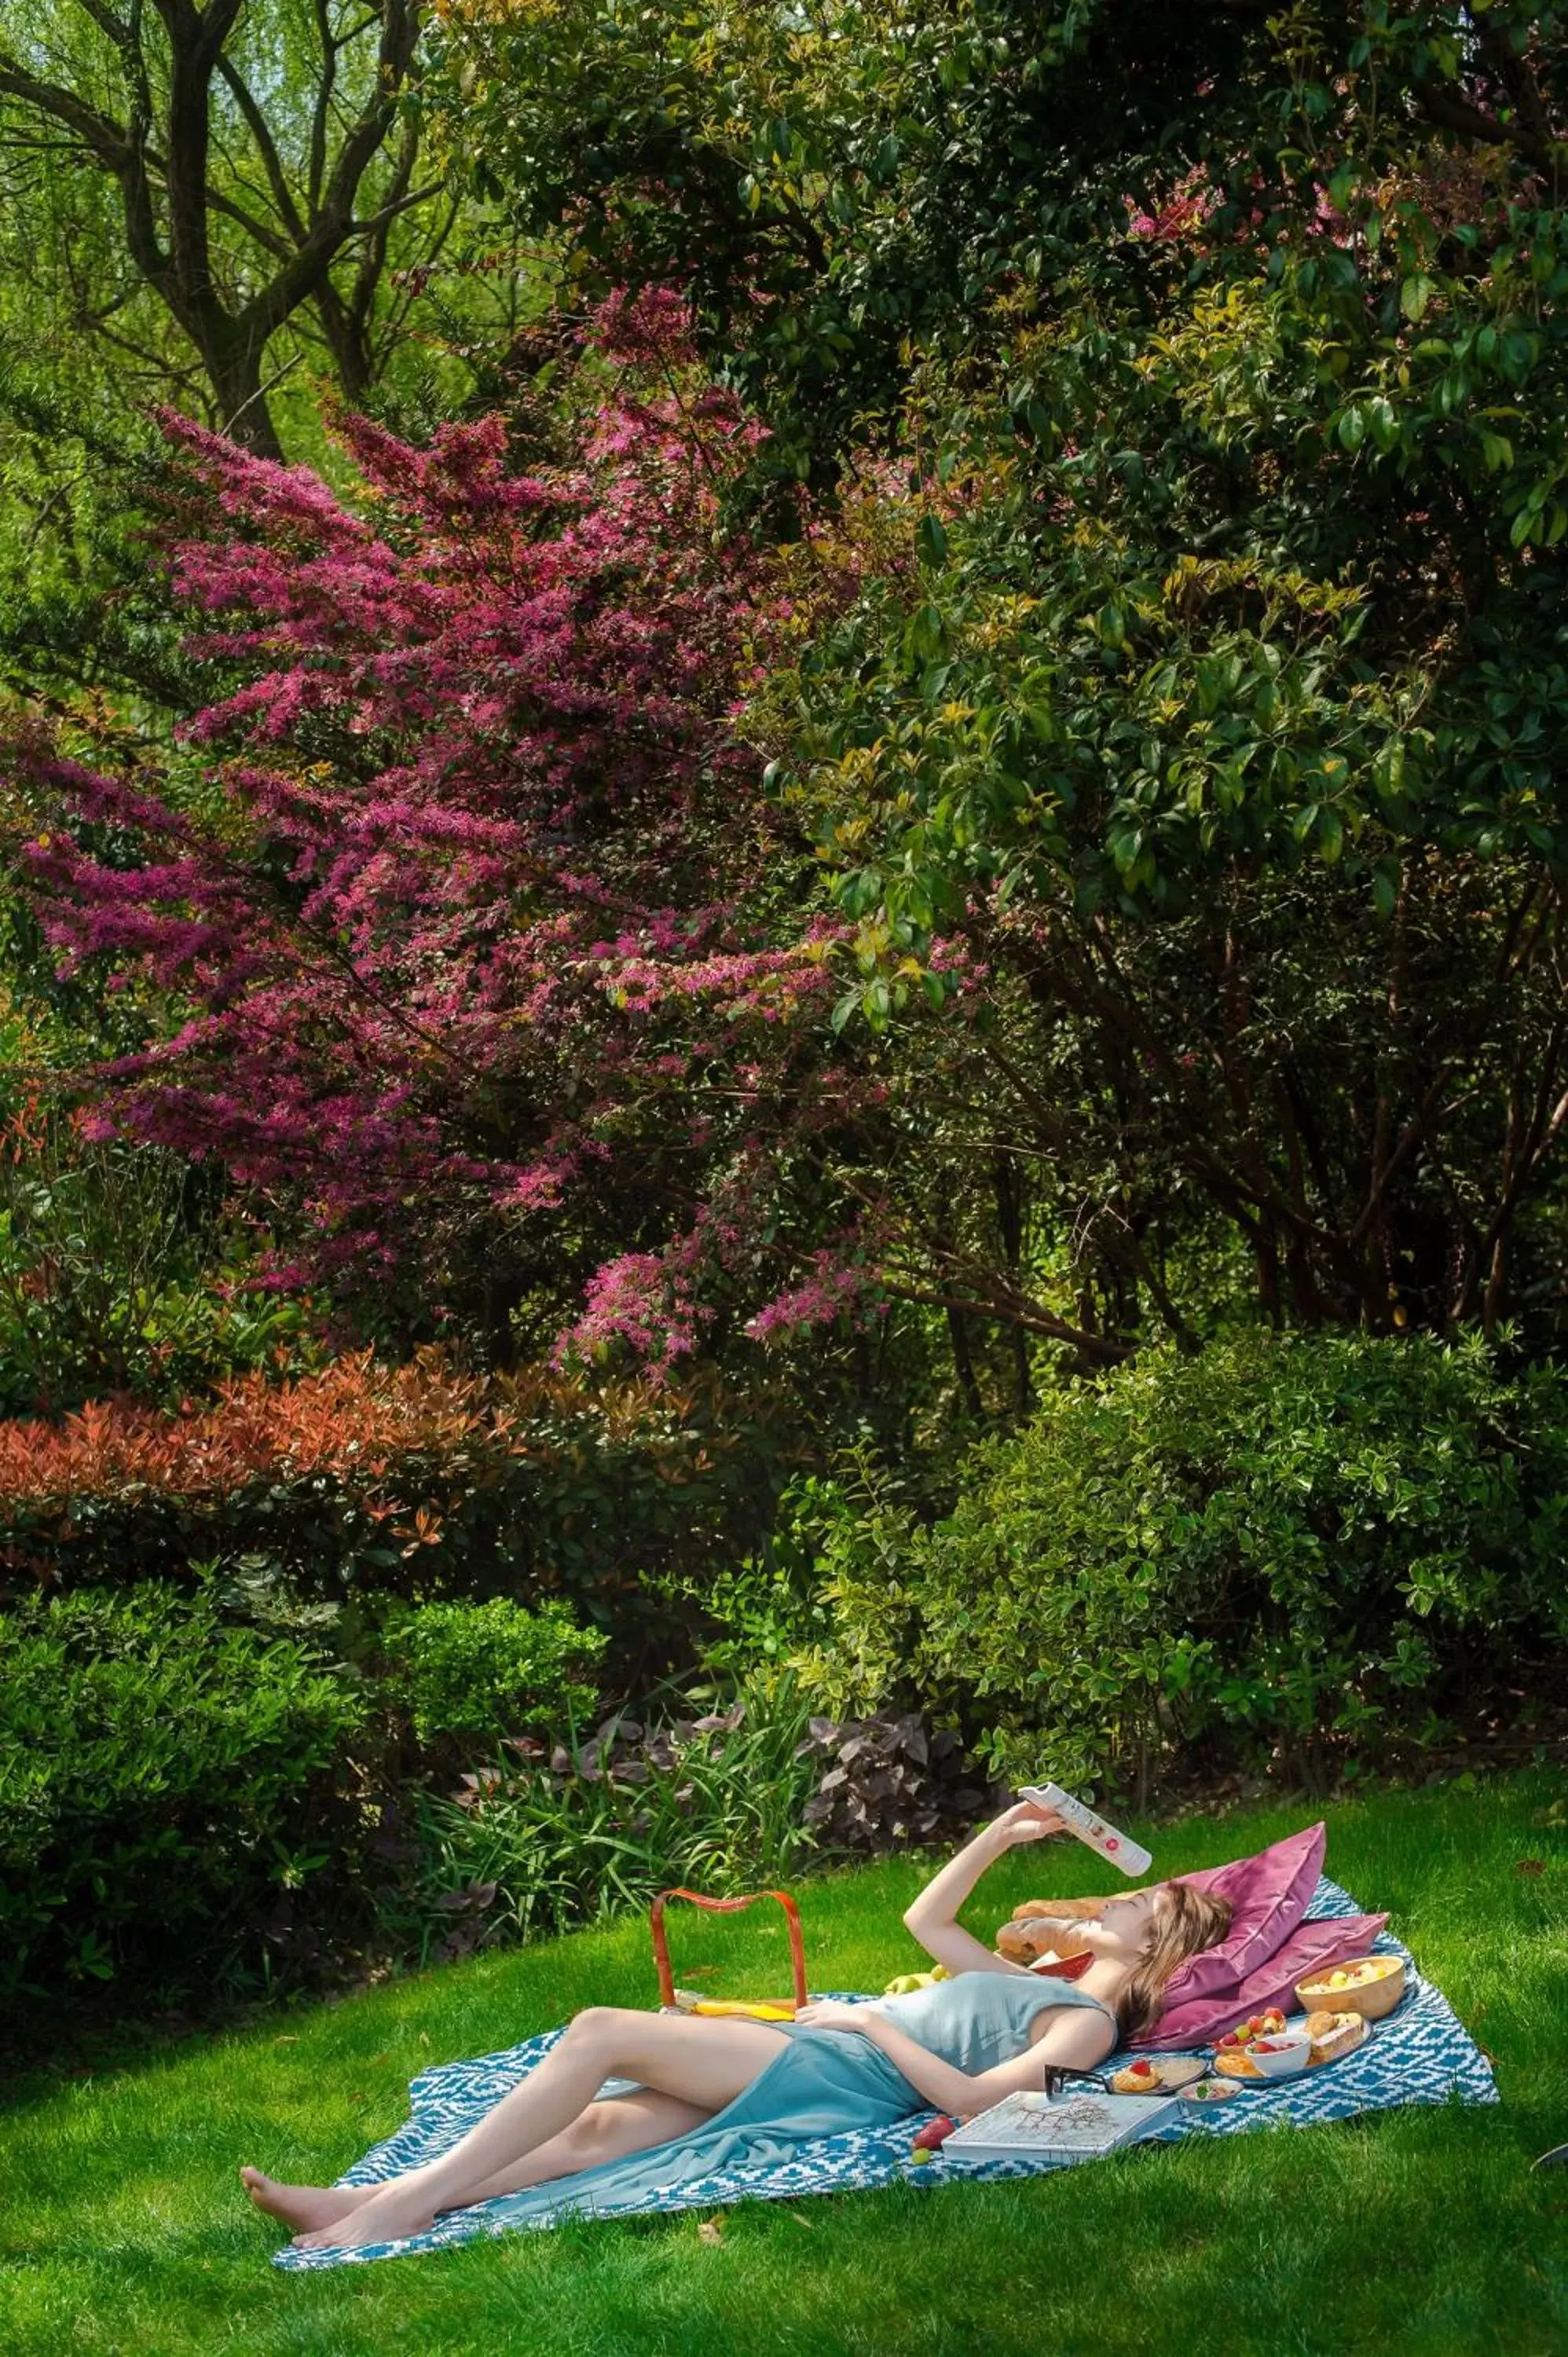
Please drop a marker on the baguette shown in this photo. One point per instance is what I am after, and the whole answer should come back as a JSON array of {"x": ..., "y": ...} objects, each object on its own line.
[{"x": 1042, "y": 1925}]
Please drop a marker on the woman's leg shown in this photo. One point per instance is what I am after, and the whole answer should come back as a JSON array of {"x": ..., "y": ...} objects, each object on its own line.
[
  {"x": 601, "y": 2132},
  {"x": 704, "y": 2064}
]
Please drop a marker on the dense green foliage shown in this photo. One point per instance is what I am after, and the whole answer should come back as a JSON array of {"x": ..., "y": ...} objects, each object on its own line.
[
  {"x": 713, "y": 1804},
  {"x": 195, "y": 1807},
  {"x": 1193, "y": 377},
  {"x": 489, "y": 1669},
  {"x": 160, "y": 1776},
  {"x": 1306, "y": 1550},
  {"x": 118, "y": 1274},
  {"x": 841, "y": 189}
]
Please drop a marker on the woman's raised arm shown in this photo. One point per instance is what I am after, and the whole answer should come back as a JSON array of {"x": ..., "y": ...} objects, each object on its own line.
[{"x": 932, "y": 1917}]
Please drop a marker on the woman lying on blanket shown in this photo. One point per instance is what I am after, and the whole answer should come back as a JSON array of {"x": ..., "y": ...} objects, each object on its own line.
[{"x": 713, "y": 2091}]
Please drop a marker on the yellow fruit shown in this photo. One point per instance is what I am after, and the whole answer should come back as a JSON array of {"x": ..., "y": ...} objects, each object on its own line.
[
  {"x": 906, "y": 1983},
  {"x": 1338, "y": 1980}
]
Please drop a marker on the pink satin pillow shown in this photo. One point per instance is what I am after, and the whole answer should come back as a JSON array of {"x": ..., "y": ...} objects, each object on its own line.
[
  {"x": 1310, "y": 1948},
  {"x": 1269, "y": 1895}
]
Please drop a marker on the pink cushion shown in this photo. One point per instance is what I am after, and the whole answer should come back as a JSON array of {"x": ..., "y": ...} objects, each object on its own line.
[
  {"x": 1310, "y": 1948},
  {"x": 1269, "y": 1895}
]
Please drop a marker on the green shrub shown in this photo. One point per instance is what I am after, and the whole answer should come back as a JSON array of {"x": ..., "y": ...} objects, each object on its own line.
[
  {"x": 161, "y": 1781},
  {"x": 488, "y": 1670},
  {"x": 118, "y": 1274},
  {"x": 1304, "y": 1547},
  {"x": 762, "y": 1611},
  {"x": 571, "y": 1836}
]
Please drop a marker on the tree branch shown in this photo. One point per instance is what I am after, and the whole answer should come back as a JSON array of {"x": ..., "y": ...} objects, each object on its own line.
[
  {"x": 283, "y": 195},
  {"x": 103, "y": 138},
  {"x": 321, "y": 113},
  {"x": 1448, "y": 108}
]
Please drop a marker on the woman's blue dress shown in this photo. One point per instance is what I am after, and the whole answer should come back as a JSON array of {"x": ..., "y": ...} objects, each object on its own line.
[{"x": 821, "y": 2083}]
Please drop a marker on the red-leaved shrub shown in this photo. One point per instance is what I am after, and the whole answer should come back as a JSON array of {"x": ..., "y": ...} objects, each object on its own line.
[{"x": 415, "y": 1478}]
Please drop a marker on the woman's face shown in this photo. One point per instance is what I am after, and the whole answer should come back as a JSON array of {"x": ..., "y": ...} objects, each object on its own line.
[{"x": 1125, "y": 1922}]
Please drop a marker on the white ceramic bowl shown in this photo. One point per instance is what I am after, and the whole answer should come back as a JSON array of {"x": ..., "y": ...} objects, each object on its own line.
[
  {"x": 1281, "y": 2056},
  {"x": 1211, "y": 2091}
]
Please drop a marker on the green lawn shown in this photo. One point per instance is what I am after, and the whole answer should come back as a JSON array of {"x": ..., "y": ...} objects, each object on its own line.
[{"x": 122, "y": 2228}]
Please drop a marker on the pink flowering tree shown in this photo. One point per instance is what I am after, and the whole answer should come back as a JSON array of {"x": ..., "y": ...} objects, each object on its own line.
[{"x": 487, "y": 960}]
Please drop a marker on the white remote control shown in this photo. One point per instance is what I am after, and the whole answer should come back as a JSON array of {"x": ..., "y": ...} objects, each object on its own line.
[{"x": 1120, "y": 1849}]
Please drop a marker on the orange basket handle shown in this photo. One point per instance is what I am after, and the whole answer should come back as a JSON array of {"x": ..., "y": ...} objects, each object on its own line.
[{"x": 727, "y": 1907}]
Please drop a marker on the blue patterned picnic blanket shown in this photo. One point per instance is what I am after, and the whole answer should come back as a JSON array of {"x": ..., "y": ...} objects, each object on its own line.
[{"x": 1420, "y": 2054}]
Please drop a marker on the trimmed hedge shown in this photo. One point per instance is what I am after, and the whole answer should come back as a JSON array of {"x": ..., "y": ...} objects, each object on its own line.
[{"x": 414, "y": 1480}]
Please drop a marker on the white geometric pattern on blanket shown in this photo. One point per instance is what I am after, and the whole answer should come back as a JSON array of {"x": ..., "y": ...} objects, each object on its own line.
[{"x": 1422, "y": 2054}]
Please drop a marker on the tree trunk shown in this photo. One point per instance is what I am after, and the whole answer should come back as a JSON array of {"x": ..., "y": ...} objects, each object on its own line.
[
  {"x": 234, "y": 366},
  {"x": 345, "y": 334},
  {"x": 958, "y": 1335}
]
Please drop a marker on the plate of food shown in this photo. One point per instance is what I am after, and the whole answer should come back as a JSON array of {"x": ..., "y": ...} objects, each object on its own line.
[
  {"x": 1158, "y": 2074},
  {"x": 1247, "y": 2033},
  {"x": 1233, "y": 2053}
]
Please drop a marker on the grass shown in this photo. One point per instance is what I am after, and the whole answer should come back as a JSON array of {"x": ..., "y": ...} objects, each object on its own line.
[{"x": 1422, "y": 2231}]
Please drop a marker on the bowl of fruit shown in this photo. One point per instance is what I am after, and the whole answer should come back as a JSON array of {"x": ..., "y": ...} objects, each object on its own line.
[
  {"x": 1369, "y": 1985},
  {"x": 1281, "y": 2057},
  {"x": 1233, "y": 2054}
]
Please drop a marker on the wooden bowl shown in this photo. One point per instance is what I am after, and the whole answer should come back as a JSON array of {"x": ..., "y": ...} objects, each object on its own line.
[{"x": 1370, "y": 1999}]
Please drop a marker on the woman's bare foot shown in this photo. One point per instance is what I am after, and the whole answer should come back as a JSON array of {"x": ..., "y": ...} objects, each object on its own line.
[
  {"x": 304, "y": 2207},
  {"x": 392, "y": 2213}
]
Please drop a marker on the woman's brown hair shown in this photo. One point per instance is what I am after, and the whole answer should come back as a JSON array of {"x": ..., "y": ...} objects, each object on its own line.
[{"x": 1189, "y": 1920}]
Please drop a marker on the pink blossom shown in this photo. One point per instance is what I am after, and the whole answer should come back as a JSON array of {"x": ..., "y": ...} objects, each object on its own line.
[
  {"x": 479, "y": 911},
  {"x": 830, "y": 1289}
]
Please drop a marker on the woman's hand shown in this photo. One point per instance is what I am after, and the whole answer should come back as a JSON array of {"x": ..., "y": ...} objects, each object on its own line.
[
  {"x": 933, "y": 1915},
  {"x": 833, "y": 2013},
  {"x": 1025, "y": 1821}
]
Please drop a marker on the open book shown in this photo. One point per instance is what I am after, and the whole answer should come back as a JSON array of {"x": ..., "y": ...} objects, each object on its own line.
[{"x": 1056, "y": 2128}]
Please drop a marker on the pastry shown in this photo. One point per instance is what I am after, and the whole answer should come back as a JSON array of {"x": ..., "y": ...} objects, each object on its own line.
[
  {"x": 1164, "y": 2075},
  {"x": 1236, "y": 2065},
  {"x": 1046, "y": 1927},
  {"x": 1333, "y": 2034}
]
